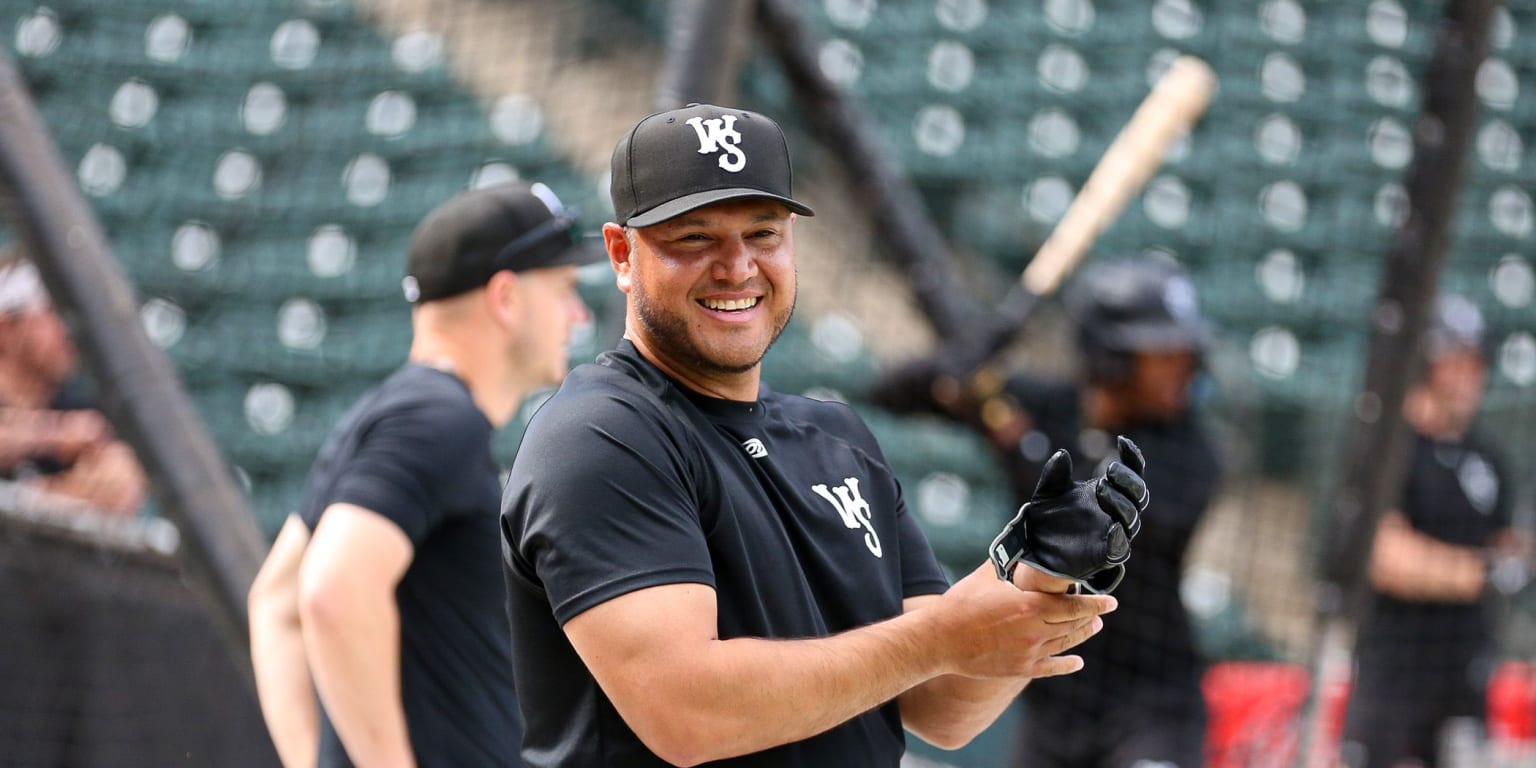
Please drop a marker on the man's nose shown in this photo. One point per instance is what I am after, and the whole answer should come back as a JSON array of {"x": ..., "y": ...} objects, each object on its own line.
[{"x": 735, "y": 263}]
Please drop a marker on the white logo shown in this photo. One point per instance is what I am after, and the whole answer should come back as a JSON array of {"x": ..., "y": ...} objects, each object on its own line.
[
  {"x": 755, "y": 448},
  {"x": 852, "y": 508},
  {"x": 1479, "y": 482},
  {"x": 720, "y": 133},
  {"x": 1179, "y": 298}
]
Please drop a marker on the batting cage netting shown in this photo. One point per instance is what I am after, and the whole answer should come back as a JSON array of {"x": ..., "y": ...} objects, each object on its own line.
[
  {"x": 107, "y": 655},
  {"x": 258, "y": 166}
]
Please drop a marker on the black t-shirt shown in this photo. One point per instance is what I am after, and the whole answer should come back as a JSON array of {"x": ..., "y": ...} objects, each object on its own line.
[
  {"x": 1453, "y": 492},
  {"x": 627, "y": 480},
  {"x": 416, "y": 451},
  {"x": 1145, "y": 656}
]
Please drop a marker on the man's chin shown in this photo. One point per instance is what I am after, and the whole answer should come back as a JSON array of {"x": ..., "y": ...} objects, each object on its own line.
[
  {"x": 733, "y": 366},
  {"x": 735, "y": 360}
]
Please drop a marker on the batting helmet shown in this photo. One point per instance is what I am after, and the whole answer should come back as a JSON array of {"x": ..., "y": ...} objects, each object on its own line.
[{"x": 1134, "y": 305}]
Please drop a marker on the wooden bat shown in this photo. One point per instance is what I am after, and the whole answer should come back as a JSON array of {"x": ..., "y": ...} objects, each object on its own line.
[
  {"x": 1177, "y": 100},
  {"x": 1167, "y": 113}
]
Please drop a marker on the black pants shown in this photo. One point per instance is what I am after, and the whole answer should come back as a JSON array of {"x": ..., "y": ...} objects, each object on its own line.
[
  {"x": 1384, "y": 729},
  {"x": 1127, "y": 735}
]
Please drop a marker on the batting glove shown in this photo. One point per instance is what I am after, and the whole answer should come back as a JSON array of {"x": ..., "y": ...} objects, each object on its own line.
[{"x": 1080, "y": 531}]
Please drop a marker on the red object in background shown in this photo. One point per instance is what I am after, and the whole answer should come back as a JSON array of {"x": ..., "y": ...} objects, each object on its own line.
[
  {"x": 1512, "y": 702},
  {"x": 1255, "y": 708}
]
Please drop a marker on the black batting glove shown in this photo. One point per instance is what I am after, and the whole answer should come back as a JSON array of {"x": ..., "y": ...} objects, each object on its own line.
[{"x": 1078, "y": 531}]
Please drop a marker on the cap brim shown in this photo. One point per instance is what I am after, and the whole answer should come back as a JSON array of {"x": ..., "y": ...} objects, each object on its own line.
[
  {"x": 674, "y": 208},
  {"x": 1169, "y": 337},
  {"x": 588, "y": 250}
]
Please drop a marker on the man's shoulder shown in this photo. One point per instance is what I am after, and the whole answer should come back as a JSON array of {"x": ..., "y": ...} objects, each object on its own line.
[
  {"x": 1482, "y": 443},
  {"x": 599, "y": 400},
  {"x": 805, "y": 408},
  {"x": 1043, "y": 393},
  {"x": 614, "y": 383},
  {"x": 416, "y": 395},
  {"x": 832, "y": 418}
]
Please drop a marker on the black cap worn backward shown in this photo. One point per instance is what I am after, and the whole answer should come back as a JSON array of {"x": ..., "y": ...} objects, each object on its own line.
[
  {"x": 675, "y": 161},
  {"x": 475, "y": 234}
]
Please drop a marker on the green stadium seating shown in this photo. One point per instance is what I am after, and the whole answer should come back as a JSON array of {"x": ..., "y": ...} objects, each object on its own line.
[
  {"x": 969, "y": 137},
  {"x": 149, "y": 157}
]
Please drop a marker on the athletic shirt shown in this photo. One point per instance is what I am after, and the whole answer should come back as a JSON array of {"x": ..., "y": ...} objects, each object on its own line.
[
  {"x": 416, "y": 451},
  {"x": 785, "y": 506},
  {"x": 1454, "y": 492},
  {"x": 1145, "y": 656}
]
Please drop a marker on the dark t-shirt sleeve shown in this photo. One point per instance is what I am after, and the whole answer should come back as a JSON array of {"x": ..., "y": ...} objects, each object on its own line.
[
  {"x": 406, "y": 461},
  {"x": 600, "y": 503},
  {"x": 920, "y": 571}
]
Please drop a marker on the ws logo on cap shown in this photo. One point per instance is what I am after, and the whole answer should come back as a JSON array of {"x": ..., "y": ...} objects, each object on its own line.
[{"x": 719, "y": 133}]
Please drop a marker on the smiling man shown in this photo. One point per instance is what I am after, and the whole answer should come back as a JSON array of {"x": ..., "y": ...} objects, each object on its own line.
[{"x": 700, "y": 568}]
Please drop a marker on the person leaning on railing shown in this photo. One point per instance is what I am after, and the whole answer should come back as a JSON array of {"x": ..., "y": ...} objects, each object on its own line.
[{"x": 51, "y": 435}]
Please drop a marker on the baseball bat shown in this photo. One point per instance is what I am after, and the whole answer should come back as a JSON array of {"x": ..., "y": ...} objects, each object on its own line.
[{"x": 1175, "y": 102}]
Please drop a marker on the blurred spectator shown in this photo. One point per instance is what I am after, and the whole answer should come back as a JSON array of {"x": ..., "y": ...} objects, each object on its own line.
[
  {"x": 1426, "y": 649},
  {"x": 50, "y": 435},
  {"x": 382, "y": 592},
  {"x": 1141, "y": 339}
]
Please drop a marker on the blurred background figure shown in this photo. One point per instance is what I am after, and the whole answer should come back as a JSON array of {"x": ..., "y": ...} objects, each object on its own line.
[
  {"x": 51, "y": 435},
  {"x": 382, "y": 593},
  {"x": 1141, "y": 340},
  {"x": 1427, "y": 647}
]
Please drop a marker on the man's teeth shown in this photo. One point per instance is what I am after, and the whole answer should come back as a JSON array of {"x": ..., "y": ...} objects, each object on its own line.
[{"x": 730, "y": 304}]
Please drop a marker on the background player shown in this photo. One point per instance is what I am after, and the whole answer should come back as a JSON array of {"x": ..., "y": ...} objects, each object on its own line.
[
  {"x": 701, "y": 568},
  {"x": 1426, "y": 649},
  {"x": 386, "y": 584},
  {"x": 1141, "y": 337},
  {"x": 51, "y": 434}
]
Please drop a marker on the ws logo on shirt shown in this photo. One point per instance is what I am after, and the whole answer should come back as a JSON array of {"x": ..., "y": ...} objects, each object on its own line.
[{"x": 852, "y": 508}]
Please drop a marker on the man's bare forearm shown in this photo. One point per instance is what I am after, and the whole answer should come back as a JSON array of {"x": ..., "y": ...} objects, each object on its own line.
[
  {"x": 692, "y": 698},
  {"x": 354, "y": 651},
  {"x": 284, "y": 687},
  {"x": 286, "y": 691}
]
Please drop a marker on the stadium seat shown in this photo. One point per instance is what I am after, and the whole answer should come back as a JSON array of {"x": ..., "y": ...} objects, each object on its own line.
[{"x": 265, "y": 230}]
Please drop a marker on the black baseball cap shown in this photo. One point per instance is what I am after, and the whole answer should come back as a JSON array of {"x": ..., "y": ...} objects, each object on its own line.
[
  {"x": 475, "y": 234},
  {"x": 675, "y": 161},
  {"x": 1137, "y": 304}
]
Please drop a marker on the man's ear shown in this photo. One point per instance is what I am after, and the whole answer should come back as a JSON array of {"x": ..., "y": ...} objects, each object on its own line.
[
  {"x": 501, "y": 298},
  {"x": 619, "y": 254}
]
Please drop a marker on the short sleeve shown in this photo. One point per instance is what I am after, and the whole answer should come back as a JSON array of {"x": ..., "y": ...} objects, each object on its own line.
[
  {"x": 407, "y": 462},
  {"x": 601, "y": 502},
  {"x": 920, "y": 571}
]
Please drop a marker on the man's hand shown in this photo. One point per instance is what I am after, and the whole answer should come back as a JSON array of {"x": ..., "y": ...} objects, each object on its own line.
[
  {"x": 1077, "y": 531},
  {"x": 1005, "y": 632},
  {"x": 108, "y": 477}
]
